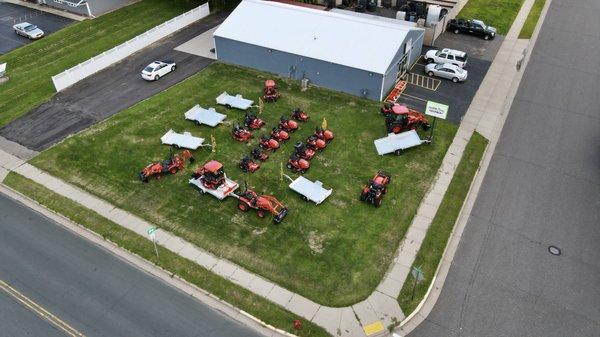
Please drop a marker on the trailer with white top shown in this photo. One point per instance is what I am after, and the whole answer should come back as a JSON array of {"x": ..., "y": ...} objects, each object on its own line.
[
  {"x": 397, "y": 143},
  {"x": 237, "y": 101},
  {"x": 309, "y": 190},
  {"x": 209, "y": 116},
  {"x": 182, "y": 140}
]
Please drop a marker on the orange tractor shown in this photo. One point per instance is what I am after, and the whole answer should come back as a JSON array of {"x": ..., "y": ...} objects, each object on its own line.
[
  {"x": 399, "y": 118},
  {"x": 263, "y": 204},
  {"x": 171, "y": 165},
  {"x": 377, "y": 188},
  {"x": 271, "y": 92}
]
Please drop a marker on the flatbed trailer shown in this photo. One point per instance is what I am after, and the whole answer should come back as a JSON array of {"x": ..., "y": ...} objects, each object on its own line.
[
  {"x": 222, "y": 192},
  {"x": 209, "y": 116},
  {"x": 397, "y": 143},
  {"x": 182, "y": 140},
  {"x": 237, "y": 101},
  {"x": 309, "y": 190}
]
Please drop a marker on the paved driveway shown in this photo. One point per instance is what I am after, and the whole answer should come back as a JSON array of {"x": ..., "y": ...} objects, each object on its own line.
[
  {"x": 542, "y": 188},
  {"x": 97, "y": 7},
  {"x": 12, "y": 14},
  {"x": 108, "y": 92}
]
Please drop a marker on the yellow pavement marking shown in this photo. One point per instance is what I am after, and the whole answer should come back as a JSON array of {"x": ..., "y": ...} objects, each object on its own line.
[
  {"x": 373, "y": 328},
  {"x": 37, "y": 309},
  {"x": 424, "y": 81},
  {"x": 414, "y": 97}
]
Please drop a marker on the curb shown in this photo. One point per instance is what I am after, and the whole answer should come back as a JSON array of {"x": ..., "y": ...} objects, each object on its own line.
[
  {"x": 462, "y": 217},
  {"x": 146, "y": 266}
]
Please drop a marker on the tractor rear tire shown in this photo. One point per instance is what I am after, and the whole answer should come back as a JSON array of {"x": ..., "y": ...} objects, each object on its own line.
[
  {"x": 260, "y": 213},
  {"x": 242, "y": 207},
  {"x": 377, "y": 202}
]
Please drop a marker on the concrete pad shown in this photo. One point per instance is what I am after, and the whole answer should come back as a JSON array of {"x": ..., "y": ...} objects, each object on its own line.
[
  {"x": 260, "y": 286},
  {"x": 349, "y": 326},
  {"x": 390, "y": 286},
  {"x": 365, "y": 312},
  {"x": 387, "y": 307},
  {"x": 280, "y": 295},
  {"x": 9, "y": 161},
  {"x": 328, "y": 318},
  {"x": 415, "y": 234},
  {"x": 400, "y": 270},
  {"x": 206, "y": 260},
  {"x": 224, "y": 268},
  {"x": 16, "y": 149},
  {"x": 174, "y": 243},
  {"x": 242, "y": 277},
  {"x": 189, "y": 251},
  {"x": 3, "y": 174},
  {"x": 200, "y": 45},
  {"x": 421, "y": 222},
  {"x": 302, "y": 306}
]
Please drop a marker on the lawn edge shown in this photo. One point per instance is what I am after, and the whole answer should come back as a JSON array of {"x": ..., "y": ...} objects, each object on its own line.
[
  {"x": 407, "y": 285},
  {"x": 529, "y": 23},
  {"x": 247, "y": 318}
]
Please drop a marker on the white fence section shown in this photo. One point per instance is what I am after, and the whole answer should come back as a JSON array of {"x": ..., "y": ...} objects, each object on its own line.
[{"x": 73, "y": 75}]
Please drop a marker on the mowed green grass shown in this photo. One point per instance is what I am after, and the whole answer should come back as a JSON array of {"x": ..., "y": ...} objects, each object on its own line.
[
  {"x": 430, "y": 253},
  {"x": 334, "y": 253},
  {"x": 31, "y": 67},
  {"x": 496, "y": 13},
  {"x": 188, "y": 270},
  {"x": 532, "y": 19}
]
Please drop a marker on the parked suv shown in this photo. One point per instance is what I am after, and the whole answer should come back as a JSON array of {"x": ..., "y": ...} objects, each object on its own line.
[{"x": 446, "y": 55}]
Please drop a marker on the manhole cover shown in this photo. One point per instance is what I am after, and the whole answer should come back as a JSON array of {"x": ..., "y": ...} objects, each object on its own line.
[{"x": 554, "y": 250}]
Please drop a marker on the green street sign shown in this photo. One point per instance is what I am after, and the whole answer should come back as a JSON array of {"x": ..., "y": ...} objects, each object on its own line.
[{"x": 151, "y": 230}]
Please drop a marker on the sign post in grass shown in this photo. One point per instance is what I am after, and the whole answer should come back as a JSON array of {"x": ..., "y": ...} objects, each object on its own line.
[
  {"x": 418, "y": 276},
  {"x": 152, "y": 233},
  {"x": 436, "y": 110}
]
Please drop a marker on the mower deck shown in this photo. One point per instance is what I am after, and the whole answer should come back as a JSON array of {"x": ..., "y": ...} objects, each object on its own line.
[
  {"x": 396, "y": 143},
  {"x": 222, "y": 192},
  {"x": 183, "y": 140},
  {"x": 208, "y": 116},
  {"x": 237, "y": 101}
]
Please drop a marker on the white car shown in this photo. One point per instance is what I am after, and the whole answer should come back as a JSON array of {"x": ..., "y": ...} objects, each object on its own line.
[
  {"x": 158, "y": 69},
  {"x": 446, "y": 55},
  {"x": 28, "y": 30},
  {"x": 446, "y": 70}
]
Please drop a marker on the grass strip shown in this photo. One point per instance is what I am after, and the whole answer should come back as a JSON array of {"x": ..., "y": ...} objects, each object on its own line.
[
  {"x": 496, "y": 13},
  {"x": 532, "y": 19},
  {"x": 435, "y": 241},
  {"x": 188, "y": 270}
]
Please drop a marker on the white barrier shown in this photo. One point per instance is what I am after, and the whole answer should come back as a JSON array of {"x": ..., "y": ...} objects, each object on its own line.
[{"x": 73, "y": 75}]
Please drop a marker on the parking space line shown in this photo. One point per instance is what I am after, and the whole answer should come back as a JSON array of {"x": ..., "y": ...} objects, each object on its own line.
[{"x": 424, "y": 81}]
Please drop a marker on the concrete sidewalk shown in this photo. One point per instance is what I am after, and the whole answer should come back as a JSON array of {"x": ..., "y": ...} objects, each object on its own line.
[{"x": 485, "y": 115}]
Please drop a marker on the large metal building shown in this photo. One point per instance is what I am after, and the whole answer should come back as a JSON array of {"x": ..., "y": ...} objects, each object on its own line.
[{"x": 361, "y": 55}]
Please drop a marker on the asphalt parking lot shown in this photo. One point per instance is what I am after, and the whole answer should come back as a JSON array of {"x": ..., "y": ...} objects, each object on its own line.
[
  {"x": 457, "y": 95},
  {"x": 12, "y": 14},
  {"x": 109, "y": 91}
]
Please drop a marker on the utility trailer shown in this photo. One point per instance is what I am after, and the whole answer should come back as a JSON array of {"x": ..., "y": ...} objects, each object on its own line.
[
  {"x": 396, "y": 143},
  {"x": 182, "y": 140},
  {"x": 237, "y": 101},
  {"x": 223, "y": 191},
  {"x": 309, "y": 190},
  {"x": 209, "y": 116}
]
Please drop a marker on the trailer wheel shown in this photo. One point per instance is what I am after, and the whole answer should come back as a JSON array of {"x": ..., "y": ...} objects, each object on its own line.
[
  {"x": 305, "y": 198},
  {"x": 242, "y": 207},
  {"x": 197, "y": 122},
  {"x": 398, "y": 152},
  {"x": 228, "y": 106}
]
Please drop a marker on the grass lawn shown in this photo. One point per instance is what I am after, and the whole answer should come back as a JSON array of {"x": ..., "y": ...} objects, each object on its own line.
[
  {"x": 30, "y": 67},
  {"x": 496, "y": 13},
  {"x": 190, "y": 271},
  {"x": 532, "y": 19},
  {"x": 334, "y": 253},
  {"x": 433, "y": 246}
]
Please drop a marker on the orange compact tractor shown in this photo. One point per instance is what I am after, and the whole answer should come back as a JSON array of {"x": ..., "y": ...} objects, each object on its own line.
[
  {"x": 172, "y": 165},
  {"x": 211, "y": 174},
  {"x": 271, "y": 92},
  {"x": 263, "y": 204},
  {"x": 399, "y": 118},
  {"x": 377, "y": 188}
]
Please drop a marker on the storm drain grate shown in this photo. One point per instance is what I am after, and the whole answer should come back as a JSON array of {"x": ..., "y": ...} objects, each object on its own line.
[{"x": 554, "y": 250}]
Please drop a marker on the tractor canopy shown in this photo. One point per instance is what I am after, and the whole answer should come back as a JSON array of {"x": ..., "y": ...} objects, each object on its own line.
[
  {"x": 399, "y": 109},
  {"x": 269, "y": 83},
  {"x": 213, "y": 166}
]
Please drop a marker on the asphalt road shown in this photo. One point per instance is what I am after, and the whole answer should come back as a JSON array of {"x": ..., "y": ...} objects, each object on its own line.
[
  {"x": 88, "y": 288},
  {"x": 12, "y": 14},
  {"x": 108, "y": 92},
  {"x": 542, "y": 188}
]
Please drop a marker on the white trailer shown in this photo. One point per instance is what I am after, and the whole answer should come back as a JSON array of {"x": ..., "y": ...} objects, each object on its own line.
[
  {"x": 184, "y": 140},
  {"x": 396, "y": 143},
  {"x": 237, "y": 101},
  {"x": 308, "y": 190},
  {"x": 209, "y": 116},
  {"x": 222, "y": 192}
]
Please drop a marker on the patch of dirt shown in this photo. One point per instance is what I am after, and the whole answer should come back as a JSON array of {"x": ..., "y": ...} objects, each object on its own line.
[
  {"x": 259, "y": 231},
  {"x": 316, "y": 242},
  {"x": 238, "y": 219},
  {"x": 339, "y": 203}
]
